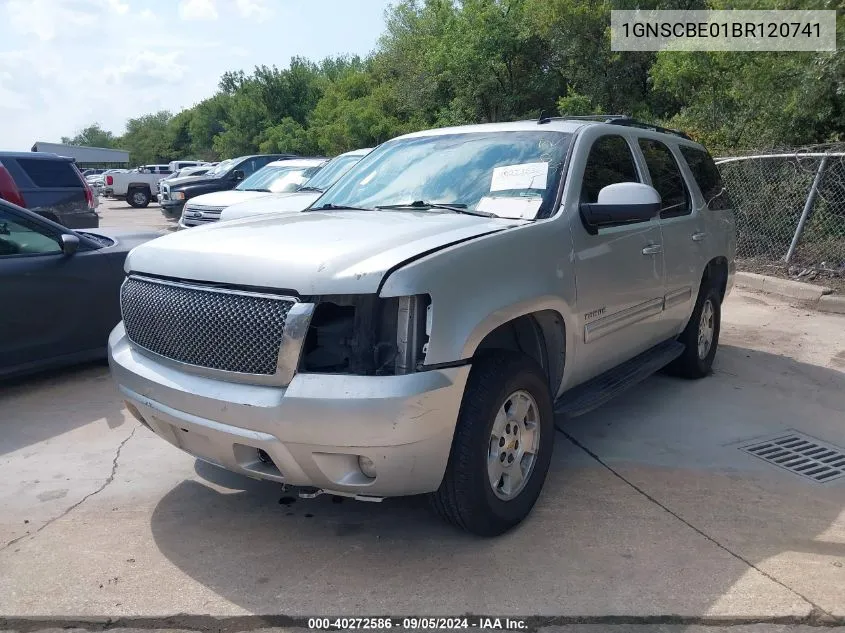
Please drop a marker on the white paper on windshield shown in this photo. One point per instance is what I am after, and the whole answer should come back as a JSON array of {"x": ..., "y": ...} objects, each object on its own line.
[
  {"x": 524, "y": 208},
  {"x": 524, "y": 176}
]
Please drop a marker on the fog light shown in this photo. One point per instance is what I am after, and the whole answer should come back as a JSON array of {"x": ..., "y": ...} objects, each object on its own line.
[{"x": 367, "y": 466}]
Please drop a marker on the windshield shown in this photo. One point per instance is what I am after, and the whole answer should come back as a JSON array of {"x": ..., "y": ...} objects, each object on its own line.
[
  {"x": 222, "y": 168},
  {"x": 507, "y": 174},
  {"x": 277, "y": 179},
  {"x": 332, "y": 172}
]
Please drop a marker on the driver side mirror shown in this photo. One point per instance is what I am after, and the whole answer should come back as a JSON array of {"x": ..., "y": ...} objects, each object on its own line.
[
  {"x": 621, "y": 203},
  {"x": 238, "y": 174},
  {"x": 70, "y": 243}
]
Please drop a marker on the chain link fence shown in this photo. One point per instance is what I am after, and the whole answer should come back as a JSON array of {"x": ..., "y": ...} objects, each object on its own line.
[{"x": 790, "y": 210}]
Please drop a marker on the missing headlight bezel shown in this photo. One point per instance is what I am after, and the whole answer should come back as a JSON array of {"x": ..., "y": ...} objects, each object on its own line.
[{"x": 365, "y": 335}]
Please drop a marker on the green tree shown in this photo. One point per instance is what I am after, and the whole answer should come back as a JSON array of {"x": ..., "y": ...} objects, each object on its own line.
[
  {"x": 247, "y": 118},
  {"x": 287, "y": 136},
  {"x": 179, "y": 135},
  {"x": 356, "y": 111},
  {"x": 208, "y": 120},
  {"x": 92, "y": 136},
  {"x": 147, "y": 138}
]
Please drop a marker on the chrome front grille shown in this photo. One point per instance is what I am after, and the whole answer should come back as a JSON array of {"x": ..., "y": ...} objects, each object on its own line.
[
  {"x": 217, "y": 329},
  {"x": 194, "y": 214}
]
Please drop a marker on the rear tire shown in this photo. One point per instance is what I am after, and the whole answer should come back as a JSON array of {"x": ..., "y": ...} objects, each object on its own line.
[
  {"x": 507, "y": 393},
  {"x": 700, "y": 337},
  {"x": 138, "y": 198}
]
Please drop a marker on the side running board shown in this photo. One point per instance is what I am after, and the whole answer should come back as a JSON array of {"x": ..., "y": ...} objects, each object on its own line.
[{"x": 604, "y": 387}]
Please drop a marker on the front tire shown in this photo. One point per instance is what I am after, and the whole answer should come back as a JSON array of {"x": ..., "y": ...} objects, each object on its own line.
[
  {"x": 700, "y": 337},
  {"x": 502, "y": 446},
  {"x": 138, "y": 198}
]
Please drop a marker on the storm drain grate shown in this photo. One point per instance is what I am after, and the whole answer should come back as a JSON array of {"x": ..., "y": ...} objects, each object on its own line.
[{"x": 802, "y": 455}]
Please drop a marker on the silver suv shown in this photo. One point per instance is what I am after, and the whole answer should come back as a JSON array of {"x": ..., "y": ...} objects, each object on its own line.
[{"x": 419, "y": 326}]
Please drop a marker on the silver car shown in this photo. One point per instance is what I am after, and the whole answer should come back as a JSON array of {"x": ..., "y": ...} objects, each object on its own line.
[{"x": 416, "y": 329}]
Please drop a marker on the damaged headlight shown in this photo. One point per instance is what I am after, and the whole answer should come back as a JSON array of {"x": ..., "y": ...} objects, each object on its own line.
[{"x": 365, "y": 335}]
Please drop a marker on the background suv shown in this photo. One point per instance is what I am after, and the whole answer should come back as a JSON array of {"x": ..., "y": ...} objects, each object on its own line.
[
  {"x": 50, "y": 185},
  {"x": 227, "y": 175}
]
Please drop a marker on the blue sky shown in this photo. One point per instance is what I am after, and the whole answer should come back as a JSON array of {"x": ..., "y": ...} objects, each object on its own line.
[{"x": 67, "y": 63}]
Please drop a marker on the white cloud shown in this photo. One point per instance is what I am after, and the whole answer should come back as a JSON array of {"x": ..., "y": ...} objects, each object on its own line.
[
  {"x": 197, "y": 10},
  {"x": 116, "y": 6},
  {"x": 67, "y": 63},
  {"x": 47, "y": 93},
  {"x": 255, "y": 9},
  {"x": 45, "y": 19}
]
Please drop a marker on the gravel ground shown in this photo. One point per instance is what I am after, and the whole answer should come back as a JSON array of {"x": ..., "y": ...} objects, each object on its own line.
[{"x": 833, "y": 280}]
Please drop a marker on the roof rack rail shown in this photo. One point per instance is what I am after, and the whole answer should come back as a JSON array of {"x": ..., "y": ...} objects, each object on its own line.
[
  {"x": 599, "y": 118},
  {"x": 623, "y": 119},
  {"x": 629, "y": 122}
]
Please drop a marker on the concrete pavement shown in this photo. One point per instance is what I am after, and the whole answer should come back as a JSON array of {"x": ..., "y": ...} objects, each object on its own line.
[
  {"x": 650, "y": 510},
  {"x": 118, "y": 213}
]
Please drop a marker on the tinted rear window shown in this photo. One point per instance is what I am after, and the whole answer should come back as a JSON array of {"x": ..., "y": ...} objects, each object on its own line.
[
  {"x": 707, "y": 176},
  {"x": 50, "y": 173}
]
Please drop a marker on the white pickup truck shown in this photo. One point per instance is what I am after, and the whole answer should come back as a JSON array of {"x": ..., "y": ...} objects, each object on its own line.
[{"x": 137, "y": 186}]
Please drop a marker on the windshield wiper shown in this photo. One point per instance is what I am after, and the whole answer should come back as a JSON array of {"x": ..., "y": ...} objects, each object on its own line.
[
  {"x": 338, "y": 207},
  {"x": 267, "y": 190},
  {"x": 422, "y": 204},
  {"x": 317, "y": 189}
]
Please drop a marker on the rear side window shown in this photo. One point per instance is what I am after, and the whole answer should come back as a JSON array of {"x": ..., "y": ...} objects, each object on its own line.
[
  {"x": 666, "y": 178},
  {"x": 50, "y": 173},
  {"x": 708, "y": 178},
  {"x": 610, "y": 161}
]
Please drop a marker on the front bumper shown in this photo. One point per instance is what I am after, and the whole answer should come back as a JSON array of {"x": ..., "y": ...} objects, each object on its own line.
[
  {"x": 172, "y": 209},
  {"x": 85, "y": 220},
  {"x": 313, "y": 430}
]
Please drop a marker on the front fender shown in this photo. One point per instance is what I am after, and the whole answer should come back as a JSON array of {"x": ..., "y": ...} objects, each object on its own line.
[{"x": 478, "y": 285}]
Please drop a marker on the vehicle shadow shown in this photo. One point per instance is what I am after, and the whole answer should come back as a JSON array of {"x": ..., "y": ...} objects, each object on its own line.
[
  {"x": 673, "y": 519},
  {"x": 37, "y": 407}
]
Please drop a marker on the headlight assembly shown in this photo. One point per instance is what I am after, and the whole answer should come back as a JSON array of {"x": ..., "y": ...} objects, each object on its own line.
[{"x": 365, "y": 335}]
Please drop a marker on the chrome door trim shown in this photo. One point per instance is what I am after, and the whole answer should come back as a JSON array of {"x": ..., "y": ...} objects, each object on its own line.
[
  {"x": 677, "y": 297},
  {"x": 618, "y": 320}
]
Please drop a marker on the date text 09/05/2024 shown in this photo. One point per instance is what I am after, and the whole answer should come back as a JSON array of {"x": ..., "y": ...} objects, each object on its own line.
[{"x": 415, "y": 623}]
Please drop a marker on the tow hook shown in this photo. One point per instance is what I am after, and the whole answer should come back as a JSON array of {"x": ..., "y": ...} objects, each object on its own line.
[{"x": 310, "y": 492}]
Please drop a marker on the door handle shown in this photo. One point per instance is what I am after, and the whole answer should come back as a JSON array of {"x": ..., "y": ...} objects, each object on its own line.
[
  {"x": 653, "y": 249},
  {"x": 698, "y": 237}
]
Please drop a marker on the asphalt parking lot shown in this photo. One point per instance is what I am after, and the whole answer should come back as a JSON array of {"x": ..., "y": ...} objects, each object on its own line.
[
  {"x": 118, "y": 213},
  {"x": 651, "y": 513}
]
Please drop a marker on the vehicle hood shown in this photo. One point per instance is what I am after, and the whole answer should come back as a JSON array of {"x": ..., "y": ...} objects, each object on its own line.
[
  {"x": 311, "y": 253},
  {"x": 273, "y": 203},
  {"x": 189, "y": 180},
  {"x": 226, "y": 198},
  {"x": 124, "y": 239}
]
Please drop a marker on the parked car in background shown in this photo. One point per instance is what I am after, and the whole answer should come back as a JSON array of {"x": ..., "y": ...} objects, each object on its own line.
[
  {"x": 303, "y": 197},
  {"x": 176, "y": 165},
  {"x": 50, "y": 185},
  {"x": 137, "y": 186},
  {"x": 278, "y": 177},
  {"x": 223, "y": 177},
  {"x": 198, "y": 170},
  {"x": 60, "y": 288},
  {"x": 417, "y": 329},
  {"x": 96, "y": 182}
]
